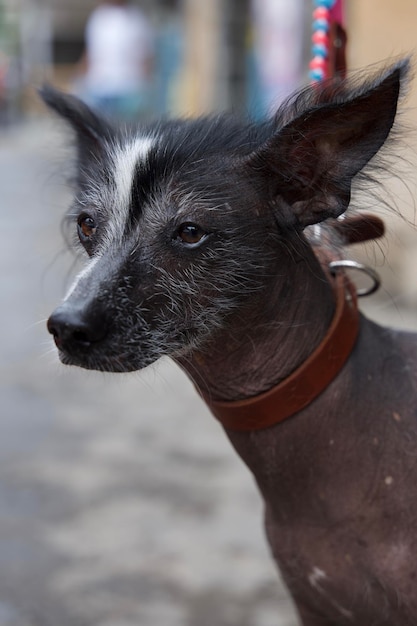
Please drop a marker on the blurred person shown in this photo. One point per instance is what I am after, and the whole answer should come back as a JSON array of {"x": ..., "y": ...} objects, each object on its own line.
[
  {"x": 118, "y": 59},
  {"x": 277, "y": 63}
]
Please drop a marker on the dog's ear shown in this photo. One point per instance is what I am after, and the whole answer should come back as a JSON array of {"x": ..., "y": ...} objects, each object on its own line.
[
  {"x": 90, "y": 129},
  {"x": 311, "y": 161}
]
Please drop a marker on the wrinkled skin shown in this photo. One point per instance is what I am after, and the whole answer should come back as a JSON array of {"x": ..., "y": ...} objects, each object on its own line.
[
  {"x": 196, "y": 233},
  {"x": 338, "y": 481}
]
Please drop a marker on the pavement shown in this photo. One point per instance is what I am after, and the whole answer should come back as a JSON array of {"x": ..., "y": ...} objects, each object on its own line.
[{"x": 121, "y": 501}]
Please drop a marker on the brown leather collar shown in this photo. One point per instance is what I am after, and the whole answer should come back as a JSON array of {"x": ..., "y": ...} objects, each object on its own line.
[{"x": 305, "y": 383}]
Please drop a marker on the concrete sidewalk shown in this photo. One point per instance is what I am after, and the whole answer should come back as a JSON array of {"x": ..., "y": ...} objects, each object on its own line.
[{"x": 121, "y": 501}]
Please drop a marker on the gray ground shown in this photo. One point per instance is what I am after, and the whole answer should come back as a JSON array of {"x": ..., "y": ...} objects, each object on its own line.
[{"x": 121, "y": 502}]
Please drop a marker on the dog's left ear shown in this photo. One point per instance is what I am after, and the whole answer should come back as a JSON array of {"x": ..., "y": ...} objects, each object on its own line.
[
  {"x": 90, "y": 129},
  {"x": 310, "y": 162}
]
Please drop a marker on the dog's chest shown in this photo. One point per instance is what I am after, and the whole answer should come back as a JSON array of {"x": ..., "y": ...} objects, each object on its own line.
[{"x": 344, "y": 575}]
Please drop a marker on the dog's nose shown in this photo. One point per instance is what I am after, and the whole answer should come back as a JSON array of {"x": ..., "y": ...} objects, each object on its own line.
[{"x": 73, "y": 329}]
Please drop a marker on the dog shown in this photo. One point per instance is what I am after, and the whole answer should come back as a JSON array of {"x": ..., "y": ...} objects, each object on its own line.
[{"x": 210, "y": 241}]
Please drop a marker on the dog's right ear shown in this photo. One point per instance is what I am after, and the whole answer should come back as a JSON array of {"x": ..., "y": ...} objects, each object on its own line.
[{"x": 90, "y": 129}]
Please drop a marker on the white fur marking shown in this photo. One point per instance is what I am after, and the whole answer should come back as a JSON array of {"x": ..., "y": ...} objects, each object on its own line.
[
  {"x": 316, "y": 575},
  {"x": 126, "y": 159},
  {"x": 84, "y": 272},
  {"x": 315, "y": 578}
]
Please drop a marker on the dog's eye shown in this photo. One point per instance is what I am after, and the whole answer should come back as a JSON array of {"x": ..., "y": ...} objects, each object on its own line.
[
  {"x": 86, "y": 227},
  {"x": 191, "y": 234}
]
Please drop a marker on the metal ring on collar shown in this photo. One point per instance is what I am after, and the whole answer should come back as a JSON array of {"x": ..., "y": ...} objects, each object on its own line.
[{"x": 354, "y": 265}]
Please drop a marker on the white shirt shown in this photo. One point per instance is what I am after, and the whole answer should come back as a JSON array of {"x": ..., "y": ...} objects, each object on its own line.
[{"x": 119, "y": 44}]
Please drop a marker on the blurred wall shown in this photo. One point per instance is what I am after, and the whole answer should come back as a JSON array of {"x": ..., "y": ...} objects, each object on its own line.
[{"x": 381, "y": 30}]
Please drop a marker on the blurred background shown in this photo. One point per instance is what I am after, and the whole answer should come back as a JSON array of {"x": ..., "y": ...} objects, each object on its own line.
[{"x": 121, "y": 502}]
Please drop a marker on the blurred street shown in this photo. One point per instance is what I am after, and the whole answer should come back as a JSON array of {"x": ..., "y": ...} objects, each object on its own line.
[{"x": 121, "y": 501}]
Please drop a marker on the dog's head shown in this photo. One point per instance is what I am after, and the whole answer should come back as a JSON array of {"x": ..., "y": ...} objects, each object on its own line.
[{"x": 188, "y": 224}]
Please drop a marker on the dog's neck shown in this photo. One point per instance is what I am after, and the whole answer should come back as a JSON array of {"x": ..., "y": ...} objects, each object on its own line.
[
  {"x": 297, "y": 461},
  {"x": 262, "y": 344},
  {"x": 260, "y": 349}
]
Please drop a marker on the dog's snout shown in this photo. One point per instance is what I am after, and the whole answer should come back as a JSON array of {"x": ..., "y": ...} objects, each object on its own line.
[{"x": 73, "y": 329}]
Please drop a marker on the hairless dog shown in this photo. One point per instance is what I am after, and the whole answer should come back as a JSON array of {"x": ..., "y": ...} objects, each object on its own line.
[{"x": 203, "y": 246}]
